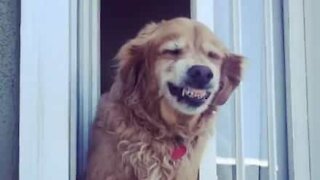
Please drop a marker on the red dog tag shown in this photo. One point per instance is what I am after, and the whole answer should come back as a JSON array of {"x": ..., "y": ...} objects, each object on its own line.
[{"x": 178, "y": 152}]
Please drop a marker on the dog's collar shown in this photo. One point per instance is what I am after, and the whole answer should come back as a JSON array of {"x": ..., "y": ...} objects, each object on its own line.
[
  {"x": 180, "y": 149},
  {"x": 178, "y": 152}
]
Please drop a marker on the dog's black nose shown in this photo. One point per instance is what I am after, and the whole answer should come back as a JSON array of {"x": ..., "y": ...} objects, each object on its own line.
[{"x": 199, "y": 76}]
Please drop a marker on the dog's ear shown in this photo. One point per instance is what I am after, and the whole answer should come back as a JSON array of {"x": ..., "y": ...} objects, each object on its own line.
[
  {"x": 231, "y": 73},
  {"x": 132, "y": 56}
]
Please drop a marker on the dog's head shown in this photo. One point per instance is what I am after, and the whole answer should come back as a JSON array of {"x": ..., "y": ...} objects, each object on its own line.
[{"x": 182, "y": 62}]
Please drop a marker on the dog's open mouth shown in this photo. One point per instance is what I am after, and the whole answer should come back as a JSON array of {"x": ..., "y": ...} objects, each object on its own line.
[{"x": 191, "y": 96}]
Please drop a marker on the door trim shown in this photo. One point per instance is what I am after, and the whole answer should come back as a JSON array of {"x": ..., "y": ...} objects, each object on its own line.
[
  {"x": 89, "y": 74},
  {"x": 48, "y": 95},
  {"x": 296, "y": 85}
]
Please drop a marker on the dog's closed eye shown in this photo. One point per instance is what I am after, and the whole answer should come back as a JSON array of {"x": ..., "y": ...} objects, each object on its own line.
[
  {"x": 173, "y": 52},
  {"x": 213, "y": 55}
]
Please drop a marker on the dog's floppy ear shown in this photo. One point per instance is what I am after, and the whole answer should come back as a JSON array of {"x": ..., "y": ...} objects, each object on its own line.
[
  {"x": 231, "y": 73},
  {"x": 132, "y": 56}
]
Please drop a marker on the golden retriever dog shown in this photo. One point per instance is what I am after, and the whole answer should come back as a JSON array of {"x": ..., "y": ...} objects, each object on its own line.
[{"x": 154, "y": 122}]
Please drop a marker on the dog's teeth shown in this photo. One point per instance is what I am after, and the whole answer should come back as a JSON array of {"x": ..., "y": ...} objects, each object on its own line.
[
  {"x": 193, "y": 93},
  {"x": 183, "y": 92}
]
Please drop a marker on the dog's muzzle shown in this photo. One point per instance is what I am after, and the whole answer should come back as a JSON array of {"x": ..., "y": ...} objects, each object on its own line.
[{"x": 195, "y": 89}]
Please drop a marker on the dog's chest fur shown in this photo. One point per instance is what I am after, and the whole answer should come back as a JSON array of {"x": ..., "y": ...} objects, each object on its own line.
[
  {"x": 126, "y": 149},
  {"x": 153, "y": 159}
]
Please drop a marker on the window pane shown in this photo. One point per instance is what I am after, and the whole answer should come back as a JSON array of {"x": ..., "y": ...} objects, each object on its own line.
[
  {"x": 254, "y": 102},
  {"x": 225, "y": 122},
  {"x": 225, "y": 131},
  {"x": 254, "y": 172},
  {"x": 226, "y": 172}
]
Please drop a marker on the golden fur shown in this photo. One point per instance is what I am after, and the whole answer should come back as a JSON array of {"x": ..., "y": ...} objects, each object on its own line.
[{"x": 136, "y": 126}]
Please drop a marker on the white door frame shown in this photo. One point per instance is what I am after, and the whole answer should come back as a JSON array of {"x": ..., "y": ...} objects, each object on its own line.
[
  {"x": 296, "y": 85},
  {"x": 48, "y": 89},
  {"x": 312, "y": 28},
  {"x": 89, "y": 73}
]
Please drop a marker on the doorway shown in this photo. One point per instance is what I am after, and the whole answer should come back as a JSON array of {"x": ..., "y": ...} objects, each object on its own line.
[{"x": 121, "y": 20}]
